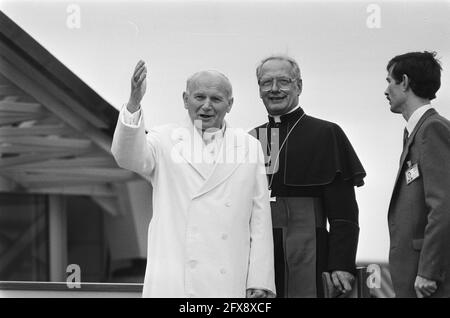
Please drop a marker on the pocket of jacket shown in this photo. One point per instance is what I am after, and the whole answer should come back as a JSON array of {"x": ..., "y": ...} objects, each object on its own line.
[{"x": 417, "y": 244}]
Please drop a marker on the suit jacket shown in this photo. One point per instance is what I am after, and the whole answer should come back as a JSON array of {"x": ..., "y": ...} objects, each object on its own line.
[
  {"x": 211, "y": 230},
  {"x": 419, "y": 211}
]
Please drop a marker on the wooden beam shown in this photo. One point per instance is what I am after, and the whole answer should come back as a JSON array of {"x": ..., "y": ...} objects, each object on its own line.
[
  {"x": 6, "y": 90},
  {"x": 108, "y": 204},
  {"x": 18, "y": 160},
  {"x": 8, "y": 185},
  {"x": 105, "y": 162},
  {"x": 53, "y": 120},
  {"x": 9, "y": 120},
  {"x": 57, "y": 230},
  {"x": 4, "y": 80},
  {"x": 25, "y": 115},
  {"x": 20, "y": 107},
  {"x": 26, "y": 149},
  {"x": 123, "y": 198},
  {"x": 62, "y": 183},
  {"x": 99, "y": 190},
  {"x": 89, "y": 173},
  {"x": 8, "y": 117},
  {"x": 66, "y": 178},
  {"x": 22, "y": 242},
  {"x": 53, "y": 142},
  {"x": 11, "y": 98}
]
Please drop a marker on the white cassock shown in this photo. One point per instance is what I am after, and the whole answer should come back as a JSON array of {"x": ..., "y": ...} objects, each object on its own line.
[{"x": 211, "y": 230}]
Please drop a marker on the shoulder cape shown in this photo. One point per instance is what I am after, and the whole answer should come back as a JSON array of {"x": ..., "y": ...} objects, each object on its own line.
[{"x": 318, "y": 150}]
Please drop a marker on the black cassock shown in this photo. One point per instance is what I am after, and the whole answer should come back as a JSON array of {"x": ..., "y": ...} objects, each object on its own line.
[{"x": 312, "y": 174}]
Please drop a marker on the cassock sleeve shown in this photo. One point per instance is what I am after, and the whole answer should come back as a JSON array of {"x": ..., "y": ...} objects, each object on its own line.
[
  {"x": 261, "y": 274},
  {"x": 341, "y": 211}
]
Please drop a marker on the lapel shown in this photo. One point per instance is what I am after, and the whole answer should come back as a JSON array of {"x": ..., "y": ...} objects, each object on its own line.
[
  {"x": 231, "y": 154},
  {"x": 405, "y": 152},
  {"x": 189, "y": 144}
]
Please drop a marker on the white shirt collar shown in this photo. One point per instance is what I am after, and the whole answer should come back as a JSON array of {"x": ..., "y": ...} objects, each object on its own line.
[
  {"x": 277, "y": 117},
  {"x": 216, "y": 135},
  {"x": 415, "y": 117},
  {"x": 208, "y": 136}
]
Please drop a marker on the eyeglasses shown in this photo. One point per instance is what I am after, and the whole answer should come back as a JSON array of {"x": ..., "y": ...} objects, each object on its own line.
[{"x": 283, "y": 83}]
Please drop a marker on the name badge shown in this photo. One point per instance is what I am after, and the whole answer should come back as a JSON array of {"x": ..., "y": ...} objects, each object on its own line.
[{"x": 412, "y": 173}]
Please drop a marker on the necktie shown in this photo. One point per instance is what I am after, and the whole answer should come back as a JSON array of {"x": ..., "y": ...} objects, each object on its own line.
[{"x": 405, "y": 137}]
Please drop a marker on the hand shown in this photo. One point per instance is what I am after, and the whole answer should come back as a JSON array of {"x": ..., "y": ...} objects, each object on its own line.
[
  {"x": 138, "y": 86},
  {"x": 343, "y": 281},
  {"x": 424, "y": 287},
  {"x": 256, "y": 293}
]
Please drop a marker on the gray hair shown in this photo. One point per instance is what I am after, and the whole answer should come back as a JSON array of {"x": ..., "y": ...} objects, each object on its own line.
[
  {"x": 193, "y": 78},
  {"x": 281, "y": 57}
]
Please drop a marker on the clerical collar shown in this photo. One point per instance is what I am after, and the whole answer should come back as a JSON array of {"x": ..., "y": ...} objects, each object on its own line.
[{"x": 292, "y": 115}]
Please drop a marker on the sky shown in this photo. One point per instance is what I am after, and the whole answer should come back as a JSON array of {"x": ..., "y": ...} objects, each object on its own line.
[{"x": 342, "y": 48}]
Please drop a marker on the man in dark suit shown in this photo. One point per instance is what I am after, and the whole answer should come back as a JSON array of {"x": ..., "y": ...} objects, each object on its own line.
[
  {"x": 419, "y": 211},
  {"x": 312, "y": 171}
]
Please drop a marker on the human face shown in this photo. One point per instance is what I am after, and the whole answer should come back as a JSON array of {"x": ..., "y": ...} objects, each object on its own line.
[
  {"x": 395, "y": 93},
  {"x": 207, "y": 101},
  {"x": 280, "y": 98}
]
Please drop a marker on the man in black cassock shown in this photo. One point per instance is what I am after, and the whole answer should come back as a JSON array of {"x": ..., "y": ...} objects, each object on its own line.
[{"x": 312, "y": 170}]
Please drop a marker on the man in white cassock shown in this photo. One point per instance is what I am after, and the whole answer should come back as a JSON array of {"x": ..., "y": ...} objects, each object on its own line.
[{"x": 211, "y": 230}]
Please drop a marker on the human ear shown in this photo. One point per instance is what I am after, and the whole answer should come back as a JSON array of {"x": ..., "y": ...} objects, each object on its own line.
[
  {"x": 405, "y": 82},
  {"x": 300, "y": 86}
]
